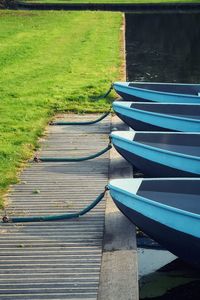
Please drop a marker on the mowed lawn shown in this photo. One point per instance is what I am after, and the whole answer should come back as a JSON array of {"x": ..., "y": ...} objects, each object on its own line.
[{"x": 51, "y": 61}]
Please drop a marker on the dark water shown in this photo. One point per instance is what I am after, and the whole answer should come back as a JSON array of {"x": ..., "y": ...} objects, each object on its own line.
[
  {"x": 163, "y": 47},
  {"x": 164, "y": 277}
]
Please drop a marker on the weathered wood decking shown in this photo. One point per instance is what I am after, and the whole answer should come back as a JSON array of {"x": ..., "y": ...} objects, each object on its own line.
[
  {"x": 57, "y": 260},
  {"x": 63, "y": 260}
]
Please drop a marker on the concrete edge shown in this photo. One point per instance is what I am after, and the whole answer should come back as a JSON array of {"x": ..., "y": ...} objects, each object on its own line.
[
  {"x": 119, "y": 268},
  {"x": 123, "y": 7}
]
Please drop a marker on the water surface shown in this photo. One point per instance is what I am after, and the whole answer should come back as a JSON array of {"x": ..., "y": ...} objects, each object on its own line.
[{"x": 163, "y": 47}]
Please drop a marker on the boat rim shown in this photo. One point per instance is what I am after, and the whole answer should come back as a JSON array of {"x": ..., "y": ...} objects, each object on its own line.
[
  {"x": 154, "y": 203},
  {"x": 155, "y": 113},
  {"x": 157, "y": 92},
  {"x": 112, "y": 135}
]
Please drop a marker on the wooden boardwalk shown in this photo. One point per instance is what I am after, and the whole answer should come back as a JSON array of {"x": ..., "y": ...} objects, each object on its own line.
[{"x": 57, "y": 260}]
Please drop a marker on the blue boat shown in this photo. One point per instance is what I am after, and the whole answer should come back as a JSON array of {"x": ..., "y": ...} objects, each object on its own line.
[
  {"x": 168, "y": 210},
  {"x": 158, "y": 92},
  {"x": 159, "y": 116},
  {"x": 160, "y": 154}
]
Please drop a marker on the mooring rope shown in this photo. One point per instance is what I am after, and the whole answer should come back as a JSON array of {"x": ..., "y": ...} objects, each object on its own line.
[
  {"x": 104, "y": 95},
  {"x": 7, "y": 219},
  {"x": 88, "y": 122},
  {"x": 82, "y": 123},
  {"x": 67, "y": 216},
  {"x": 72, "y": 159}
]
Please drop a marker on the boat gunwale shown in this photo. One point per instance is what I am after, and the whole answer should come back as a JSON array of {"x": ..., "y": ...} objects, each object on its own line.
[
  {"x": 154, "y": 203},
  {"x": 155, "y": 113},
  {"x": 160, "y": 93},
  {"x": 152, "y": 148}
]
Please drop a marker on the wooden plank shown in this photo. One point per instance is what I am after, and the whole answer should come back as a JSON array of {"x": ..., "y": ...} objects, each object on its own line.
[{"x": 57, "y": 260}]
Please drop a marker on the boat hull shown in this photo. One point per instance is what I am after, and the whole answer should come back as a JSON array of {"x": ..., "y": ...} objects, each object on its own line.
[
  {"x": 141, "y": 125},
  {"x": 160, "y": 154},
  {"x": 155, "y": 94},
  {"x": 150, "y": 168},
  {"x": 183, "y": 245},
  {"x": 129, "y": 97},
  {"x": 159, "y": 117}
]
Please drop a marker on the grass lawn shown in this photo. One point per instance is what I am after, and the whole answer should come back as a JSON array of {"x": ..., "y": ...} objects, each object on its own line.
[
  {"x": 112, "y": 1},
  {"x": 50, "y": 61}
]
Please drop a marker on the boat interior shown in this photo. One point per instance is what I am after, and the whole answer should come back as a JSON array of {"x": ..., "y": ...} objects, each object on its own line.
[
  {"x": 188, "y": 144},
  {"x": 181, "y": 194},
  {"x": 182, "y": 110},
  {"x": 169, "y": 88}
]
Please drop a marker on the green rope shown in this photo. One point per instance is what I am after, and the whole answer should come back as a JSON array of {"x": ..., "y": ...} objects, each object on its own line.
[
  {"x": 72, "y": 159},
  {"x": 82, "y": 123},
  {"x": 104, "y": 95},
  {"x": 88, "y": 122},
  {"x": 67, "y": 216}
]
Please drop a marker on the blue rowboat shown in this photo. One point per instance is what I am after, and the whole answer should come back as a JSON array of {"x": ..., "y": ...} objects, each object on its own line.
[
  {"x": 160, "y": 154},
  {"x": 168, "y": 210},
  {"x": 158, "y": 92},
  {"x": 159, "y": 116}
]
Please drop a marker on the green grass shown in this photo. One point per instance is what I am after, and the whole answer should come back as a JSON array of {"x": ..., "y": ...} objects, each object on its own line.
[
  {"x": 50, "y": 62},
  {"x": 112, "y": 1}
]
